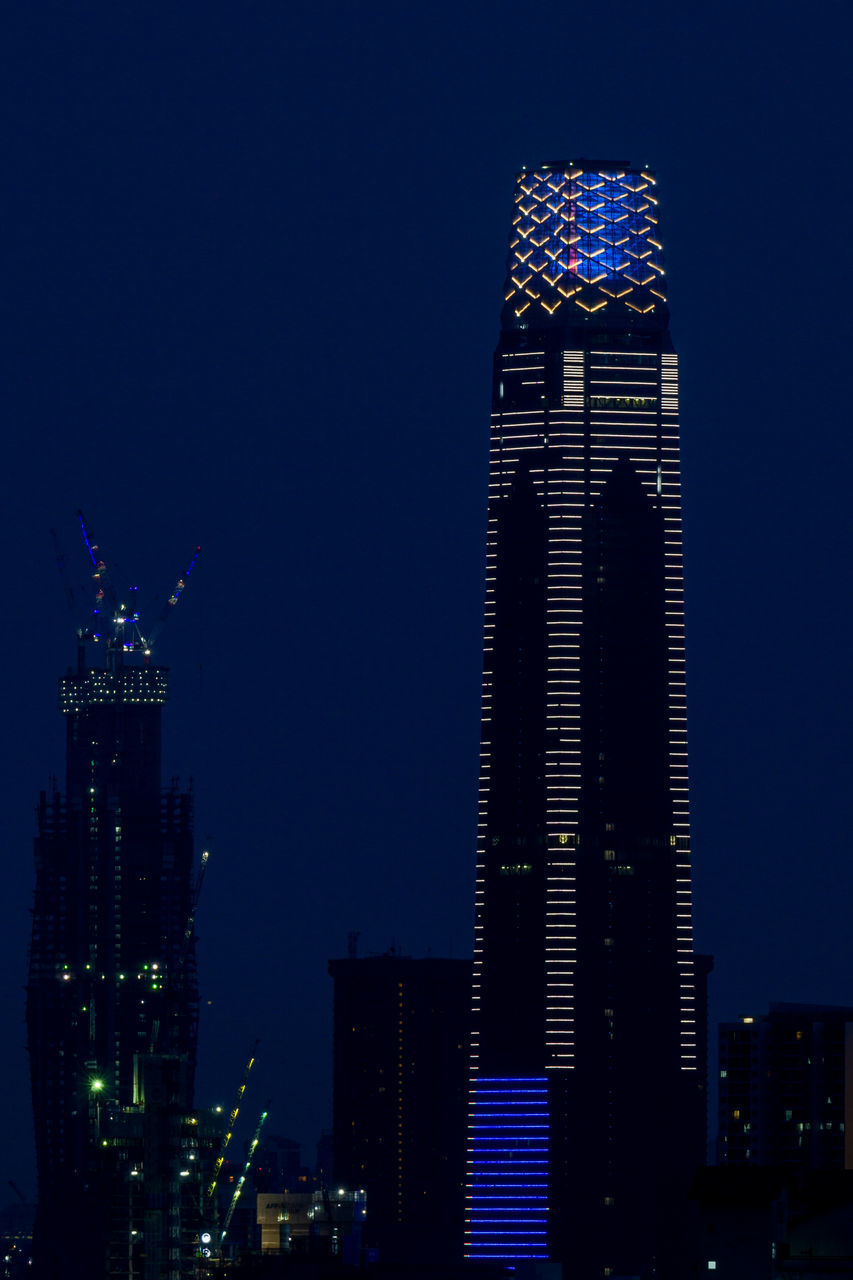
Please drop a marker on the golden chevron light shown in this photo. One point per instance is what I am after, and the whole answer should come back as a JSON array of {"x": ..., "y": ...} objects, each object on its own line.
[{"x": 583, "y": 240}]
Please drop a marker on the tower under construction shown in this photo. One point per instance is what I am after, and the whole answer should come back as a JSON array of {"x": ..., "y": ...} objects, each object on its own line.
[{"x": 112, "y": 971}]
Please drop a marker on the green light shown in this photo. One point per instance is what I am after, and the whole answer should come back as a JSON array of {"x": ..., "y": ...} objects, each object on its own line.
[{"x": 96, "y": 1085}]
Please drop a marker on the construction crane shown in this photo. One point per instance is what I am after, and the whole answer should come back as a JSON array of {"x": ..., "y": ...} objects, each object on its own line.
[
  {"x": 173, "y": 599},
  {"x": 186, "y": 945},
  {"x": 107, "y": 607},
  {"x": 229, "y": 1129},
  {"x": 196, "y": 894},
  {"x": 243, "y": 1176},
  {"x": 116, "y": 623}
]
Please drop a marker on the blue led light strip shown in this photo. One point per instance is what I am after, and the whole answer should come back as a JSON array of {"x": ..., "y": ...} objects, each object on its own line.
[{"x": 508, "y": 1154}]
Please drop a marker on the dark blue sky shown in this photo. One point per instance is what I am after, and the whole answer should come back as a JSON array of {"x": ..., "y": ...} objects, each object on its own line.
[{"x": 252, "y": 259}]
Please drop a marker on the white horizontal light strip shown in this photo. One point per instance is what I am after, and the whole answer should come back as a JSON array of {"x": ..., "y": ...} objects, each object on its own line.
[{"x": 579, "y": 446}]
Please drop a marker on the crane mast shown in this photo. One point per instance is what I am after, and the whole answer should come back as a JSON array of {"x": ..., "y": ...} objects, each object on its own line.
[
  {"x": 243, "y": 1176},
  {"x": 229, "y": 1129}
]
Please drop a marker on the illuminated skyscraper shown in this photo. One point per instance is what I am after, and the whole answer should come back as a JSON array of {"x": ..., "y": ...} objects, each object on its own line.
[
  {"x": 587, "y": 1060},
  {"x": 112, "y": 976}
]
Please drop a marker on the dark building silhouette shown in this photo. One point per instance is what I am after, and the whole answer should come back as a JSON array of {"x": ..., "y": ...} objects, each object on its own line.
[
  {"x": 278, "y": 1165},
  {"x": 401, "y": 1032},
  {"x": 16, "y": 1236},
  {"x": 786, "y": 1089},
  {"x": 588, "y": 1044},
  {"x": 753, "y": 1221},
  {"x": 112, "y": 974}
]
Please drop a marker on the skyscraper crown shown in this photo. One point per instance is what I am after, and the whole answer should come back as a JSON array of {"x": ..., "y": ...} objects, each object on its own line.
[{"x": 584, "y": 242}]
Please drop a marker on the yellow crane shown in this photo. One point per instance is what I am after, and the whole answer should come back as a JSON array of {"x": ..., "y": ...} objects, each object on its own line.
[
  {"x": 243, "y": 1176},
  {"x": 229, "y": 1128}
]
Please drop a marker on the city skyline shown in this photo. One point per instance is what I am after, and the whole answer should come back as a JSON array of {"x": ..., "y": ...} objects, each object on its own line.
[{"x": 251, "y": 301}]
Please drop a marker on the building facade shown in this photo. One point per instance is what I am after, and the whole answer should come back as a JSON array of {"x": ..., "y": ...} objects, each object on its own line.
[
  {"x": 112, "y": 976},
  {"x": 154, "y": 1160},
  {"x": 786, "y": 1089},
  {"x": 587, "y": 1111},
  {"x": 401, "y": 1033}
]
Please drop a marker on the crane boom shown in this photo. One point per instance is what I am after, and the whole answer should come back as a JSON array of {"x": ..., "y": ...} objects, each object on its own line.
[
  {"x": 188, "y": 931},
  {"x": 117, "y": 624},
  {"x": 229, "y": 1128},
  {"x": 243, "y": 1176},
  {"x": 177, "y": 592}
]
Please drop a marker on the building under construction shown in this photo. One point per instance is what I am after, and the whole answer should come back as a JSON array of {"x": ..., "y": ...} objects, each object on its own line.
[{"x": 112, "y": 1003}]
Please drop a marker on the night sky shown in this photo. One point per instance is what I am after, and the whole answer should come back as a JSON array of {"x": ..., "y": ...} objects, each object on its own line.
[{"x": 252, "y": 269}]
